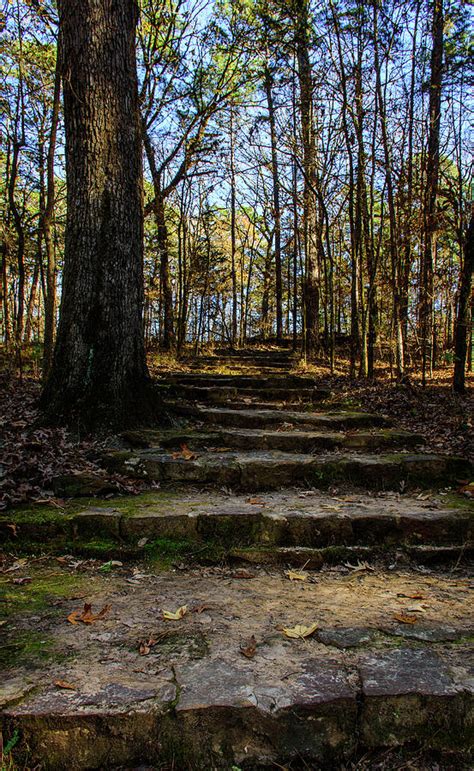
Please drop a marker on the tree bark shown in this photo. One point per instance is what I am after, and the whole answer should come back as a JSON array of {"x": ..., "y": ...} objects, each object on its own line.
[
  {"x": 310, "y": 225},
  {"x": 46, "y": 226},
  {"x": 463, "y": 316},
  {"x": 432, "y": 174},
  {"x": 276, "y": 202},
  {"x": 99, "y": 372}
]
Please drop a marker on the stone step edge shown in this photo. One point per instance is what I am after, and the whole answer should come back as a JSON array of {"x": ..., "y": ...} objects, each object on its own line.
[
  {"x": 404, "y": 697},
  {"x": 334, "y": 419},
  {"x": 260, "y": 471},
  {"x": 254, "y": 537},
  {"x": 248, "y": 438}
]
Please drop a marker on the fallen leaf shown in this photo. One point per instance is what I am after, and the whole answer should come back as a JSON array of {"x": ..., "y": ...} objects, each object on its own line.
[
  {"x": 249, "y": 648},
  {"x": 145, "y": 646},
  {"x": 142, "y": 542},
  {"x": 294, "y": 576},
  {"x": 256, "y": 501},
  {"x": 405, "y": 619},
  {"x": 21, "y": 581},
  {"x": 14, "y": 529},
  {"x": 65, "y": 685},
  {"x": 169, "y": 616},
  {"x": 184, "y": 453},
  {"x": 299, "y": 631},
  {"x": 86, "y": 616},
  {"x": 360, "y": 567}
]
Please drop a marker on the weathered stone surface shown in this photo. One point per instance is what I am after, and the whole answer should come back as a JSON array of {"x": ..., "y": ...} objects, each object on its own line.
[
  {"x": 432, "y": 633},
  {"x": 15, "y": 689},
  {"x": 75, "y": 485},
  {"x": 351, "y": 637},
  {"x": 96, "y": 521},
  {"x": 194, "y": 701},
  {"x": 249, "y": 713},
  {"x": 262, "y": 418},
  {"x": 258, "y": 470},
  {"x": 410, "y": 695},
  {"x": 279, "y": 519},
  {"x": 285, "y": 441},
  {"x": 260, "y": 382},
  {"x": 118, "y": 725}
]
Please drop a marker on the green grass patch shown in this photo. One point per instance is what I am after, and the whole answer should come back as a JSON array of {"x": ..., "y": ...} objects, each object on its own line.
[{"x": 163, "y": 553}]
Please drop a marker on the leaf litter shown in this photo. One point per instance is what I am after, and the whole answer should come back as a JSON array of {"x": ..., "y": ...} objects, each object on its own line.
[{"x": 86, "y": 616}]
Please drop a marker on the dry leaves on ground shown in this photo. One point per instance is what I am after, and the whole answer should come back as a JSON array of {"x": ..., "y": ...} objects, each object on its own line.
[
  {"x": 249, "y": 648},
  {"x": 294, "y": 576},
  {"x": 86, "y": 616},
  {"x": 63, "y": 684},
  {"x": 184, "y": 453},
  {"x": 299, "y": 632},
  {"x": 168, "y": 615}
]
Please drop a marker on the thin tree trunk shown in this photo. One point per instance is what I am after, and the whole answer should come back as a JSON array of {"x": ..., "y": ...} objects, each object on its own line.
[
  {"x": 233, "y": 267},
  {"x": 46, "y": 227},
  {"x": 276, "y": 203},
  {"x": 429, "y": 208},
  {"x": 168, "y": 336},
  {"x": 464, "y": 315},
  {"x": 310, "y": 224}
]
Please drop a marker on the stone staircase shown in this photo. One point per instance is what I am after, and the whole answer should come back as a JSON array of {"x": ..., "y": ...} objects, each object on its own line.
[{"x": 273, "y": 510}]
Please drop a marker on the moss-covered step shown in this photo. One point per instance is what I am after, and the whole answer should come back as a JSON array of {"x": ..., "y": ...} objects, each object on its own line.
[
  {"x": 218, "y": 394},
  {"x": 132, "y": 689},
  {"x": 286, "y": 419},
  {"x": 286, "y": 441},
  {"x": 127, "y": 526},
  {"x": 253, "y": 471},
  {"x": 261, "y": 382},
  {"x": 261, "y": 364}
]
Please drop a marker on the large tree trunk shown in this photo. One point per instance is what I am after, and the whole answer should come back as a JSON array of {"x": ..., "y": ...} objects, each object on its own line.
[{"x": 99, "y": 372}]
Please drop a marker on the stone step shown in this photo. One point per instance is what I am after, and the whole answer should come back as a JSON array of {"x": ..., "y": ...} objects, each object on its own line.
[
  {"x": 244, "y": 381},
  {"x": 319, "y": 558},
  {"x": 224, "y": 686},
  {"x": 272, "y": 528},
  {"x": 208, "y": 367},
  {"x": 261, "y": 418},
  {"x": 219, "y": 394},
  {"x": 253, "y": 471},
  {"x": 285, "y": 441}
]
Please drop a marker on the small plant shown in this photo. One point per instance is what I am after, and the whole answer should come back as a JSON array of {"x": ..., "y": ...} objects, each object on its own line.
[{"x": 6, "y": 761}]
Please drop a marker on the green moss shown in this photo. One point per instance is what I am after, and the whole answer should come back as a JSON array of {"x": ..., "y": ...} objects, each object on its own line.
[
  {"x": 164, "y": 552},
  {"x": 453, "y": 500},
  {"x": 39, "y": 595},
  {"x": 194, "y": 644},
  {"x": 29, "y": 649},
  {"x": 96, "y": 548}
]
